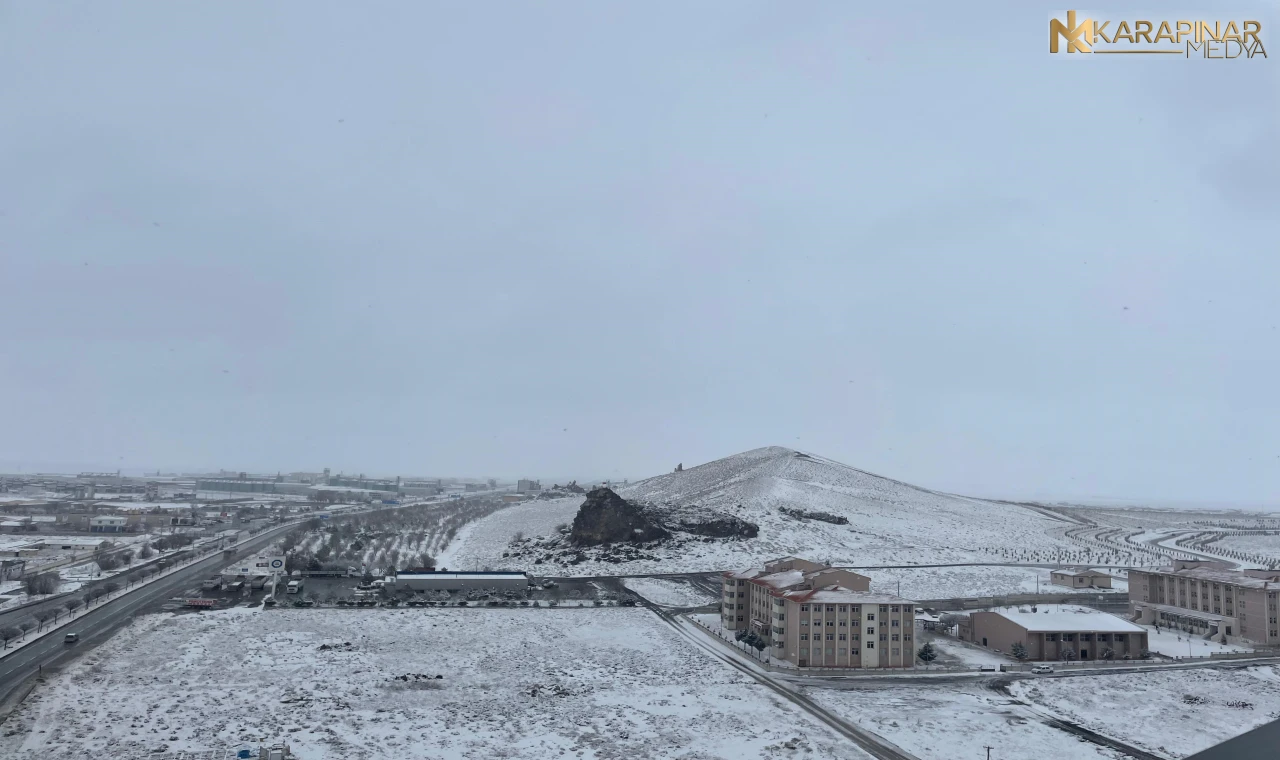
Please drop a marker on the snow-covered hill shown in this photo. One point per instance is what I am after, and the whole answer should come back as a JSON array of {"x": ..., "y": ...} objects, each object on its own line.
[{"x": 889, "y": 522}]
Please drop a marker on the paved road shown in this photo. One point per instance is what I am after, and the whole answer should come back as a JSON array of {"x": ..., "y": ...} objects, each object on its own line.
[
  {"x": 98, "y": 624},
  {"x": 872, "y": 744}
]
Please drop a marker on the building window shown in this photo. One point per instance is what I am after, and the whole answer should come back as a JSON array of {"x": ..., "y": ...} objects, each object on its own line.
[
  {"x": 884, "y": 637},
  {"x": 871, "y": 616},
  {"x": 844, "y": 637},
  {"x": 894, "y": 608},
  {"x": 1086, "y": 637},
  {"x": 1068, "y": 637},
  {"x": 804, "y": 637},
  {"x": 804, "y": 623},
  {"x": 831, "y": 623},
  {"x": 884, "y": 608},
  {"x": 830, "y": 650},
  {"x": 844, "y": 608},
  {"x": 1121, "y": 638},
  {"x": 804, "y": 608},
  {"x": 804, "y": 650},
  {"x": 871, "y": 645},
  {"x": 906, "y": 637},
  {"x": 895, "y": 651},
  {"x": 871, "y": 630},
  {"x": 831, "y": 608},
  {"x": 844, "y": 652},
  {"x": 739, "y": 618},
  {"x": 895, "y": 637},
  {"x": 831, "y": 637},
  {"x": 893, "y": 623},
  {"x": 844, "y": 623}
]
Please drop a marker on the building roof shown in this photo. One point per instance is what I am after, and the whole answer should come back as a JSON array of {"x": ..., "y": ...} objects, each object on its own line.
[
  {"x": 494, "y": 576},
  {"x": 743, "y": 574},
  {"x": 835, "y": 594},
  {"x": 1078, "y": 572},
  {"x": 1075, "y": 619},
  {"x": 1213, "y": 575},
  {"x": 783, "y": 580}
]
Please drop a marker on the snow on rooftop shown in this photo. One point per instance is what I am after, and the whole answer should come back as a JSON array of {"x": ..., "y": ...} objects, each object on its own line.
[
  {"x": 1060, "y": 618},
  {"x": 784, "y": 579},
  {"x": 841, "y": 595}
]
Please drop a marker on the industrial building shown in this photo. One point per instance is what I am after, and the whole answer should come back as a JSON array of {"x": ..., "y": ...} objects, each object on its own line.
[
  {"x": 812, "y": 615},
  {"x": 528, "y": 486},
  {"x": 1207, "y": 598},
  {"x": 448, "y": 581},
  {"x": 1074, "y": 633}
]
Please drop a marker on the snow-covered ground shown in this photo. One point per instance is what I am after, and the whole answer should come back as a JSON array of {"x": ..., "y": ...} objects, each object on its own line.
[
  {"x": 889, "y": 522},
  {"x": 936, "y": 722},
  {"x": 599, "y": 683},
  {"x": 973, "y": 581},
  {"x": 970, "y": 655},
  {"x": 669, "y": 593},
  {"x": 1182, "y": 644},
  {"x": 1152, "y": 710}
]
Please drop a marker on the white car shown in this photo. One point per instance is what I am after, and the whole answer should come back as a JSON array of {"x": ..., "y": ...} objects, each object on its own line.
[{"x": 1042, "y": 669}]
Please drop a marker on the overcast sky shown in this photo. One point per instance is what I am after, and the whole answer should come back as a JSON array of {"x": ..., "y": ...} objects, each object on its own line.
[{"x": 598, "y": 239}]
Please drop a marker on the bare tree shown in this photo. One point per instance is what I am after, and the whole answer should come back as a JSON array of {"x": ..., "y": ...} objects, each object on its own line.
[
  {"x": 9, "y": 633},
  {"x": 72, "y": 605},
  {"x": 26, "y": 625},
  {"x": 43, "y": 616}
]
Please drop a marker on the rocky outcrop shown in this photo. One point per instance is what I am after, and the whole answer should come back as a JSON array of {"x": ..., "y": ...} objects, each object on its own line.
[
  {"x": 718, "y": 526},
  {"x": 801, "y": 514},
  {"x": 606, "y": 518}
]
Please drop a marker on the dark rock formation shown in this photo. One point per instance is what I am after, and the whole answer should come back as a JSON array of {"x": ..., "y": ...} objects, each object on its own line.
[
  {"x": 801, "y": 514},
  {"x": 718, "y": 526},
  {"x": 605, "y": 518}
]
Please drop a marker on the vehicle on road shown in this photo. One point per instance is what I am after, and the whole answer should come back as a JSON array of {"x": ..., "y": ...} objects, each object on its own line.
[
  {"x": 211, "y": 583},
  {"x": 294, "y": 586},
  {"x": 1042, "y": 669},
  {"x": 71, "y": 638}
]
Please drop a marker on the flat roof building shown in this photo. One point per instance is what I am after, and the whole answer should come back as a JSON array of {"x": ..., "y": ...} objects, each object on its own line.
[
  {"x": 450, "y": 581},
  {"x": 812, "y": 615},
  {"x": 1056, "y": 633},
  {"x": 1208, "y": 599}
]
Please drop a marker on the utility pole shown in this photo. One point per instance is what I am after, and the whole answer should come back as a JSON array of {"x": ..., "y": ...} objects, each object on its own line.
[{"x": 988, "y": 748}]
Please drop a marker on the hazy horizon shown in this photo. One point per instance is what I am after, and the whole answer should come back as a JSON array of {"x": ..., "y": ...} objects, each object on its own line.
[{"x": 607, "y": 239}]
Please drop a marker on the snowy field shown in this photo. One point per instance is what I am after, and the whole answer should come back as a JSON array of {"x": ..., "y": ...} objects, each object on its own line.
[
  {"x": 973, "y": 581},
  {"x": 935, "y": 722},
  {"x": 1181, "y": 644},
  {"x": 669, "y": 593},
  {"x": 889, "y": 522},
  {"x": 1267, "y": 546},
  {"x": 1152, "y": 710},
  {"x": 591, "y": 683}
]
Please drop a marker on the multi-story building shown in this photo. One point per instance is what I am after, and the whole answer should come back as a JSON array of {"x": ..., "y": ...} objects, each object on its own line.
[
  {"x": 812, "y": 615},
  {"x": 1208, "y": 599},
  {"x": 524, "y": 485}
]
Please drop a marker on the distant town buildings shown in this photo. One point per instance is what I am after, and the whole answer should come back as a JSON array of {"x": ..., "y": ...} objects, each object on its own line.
[
  {"x": 528, "y": 486},
  {"x": 1208, "y": 599},
  {"x": 812, "y": 615},
  {"x": 1080, "y": 578}
]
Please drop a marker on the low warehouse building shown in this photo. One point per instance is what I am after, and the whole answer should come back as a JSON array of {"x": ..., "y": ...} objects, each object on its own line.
[
  {"x": 508, "y": 581},
  {"x": 1080, "y": 578},
  {"x": 1075, "y": 633}
]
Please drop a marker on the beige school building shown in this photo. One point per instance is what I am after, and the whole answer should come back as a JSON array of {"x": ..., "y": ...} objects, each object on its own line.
[{"x": 812, "y": 615}]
